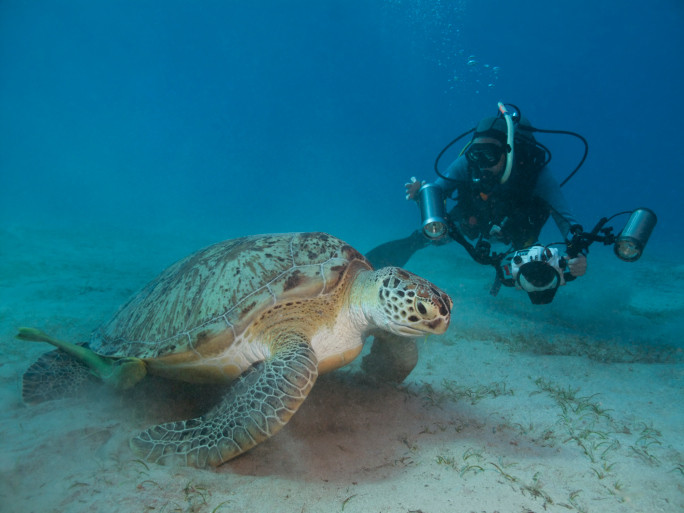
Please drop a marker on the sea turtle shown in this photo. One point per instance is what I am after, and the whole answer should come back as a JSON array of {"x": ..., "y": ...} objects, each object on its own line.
[{"x": 269, "y": 312}]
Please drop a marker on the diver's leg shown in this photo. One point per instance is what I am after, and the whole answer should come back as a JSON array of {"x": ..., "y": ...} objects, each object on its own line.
[{"x": 397, "y": 252}]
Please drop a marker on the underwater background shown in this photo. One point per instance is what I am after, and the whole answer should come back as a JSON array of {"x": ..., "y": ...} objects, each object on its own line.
[
  {"x": 133, "y": 133},
  {"x": 245, "y": 117}
]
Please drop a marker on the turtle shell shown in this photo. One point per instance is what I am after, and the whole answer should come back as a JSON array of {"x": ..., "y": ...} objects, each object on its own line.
[{"x": 223, "y": 288}]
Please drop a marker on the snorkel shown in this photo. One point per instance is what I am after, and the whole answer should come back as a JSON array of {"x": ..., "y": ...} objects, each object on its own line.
[{"x": 510, "y": 137}]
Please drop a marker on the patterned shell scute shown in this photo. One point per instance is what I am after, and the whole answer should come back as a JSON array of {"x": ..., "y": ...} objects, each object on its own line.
[{"x": 223, "y": 287}]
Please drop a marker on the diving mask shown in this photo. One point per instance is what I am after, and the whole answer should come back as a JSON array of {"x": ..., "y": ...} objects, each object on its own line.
[{"x": 484, "y": 155}]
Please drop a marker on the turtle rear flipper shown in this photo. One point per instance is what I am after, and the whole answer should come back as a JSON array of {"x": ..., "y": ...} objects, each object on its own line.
[
  {"x": 255, "y": 407},
  {"x": 55, "y": 375},
  {"x": 120, "y": 373}
]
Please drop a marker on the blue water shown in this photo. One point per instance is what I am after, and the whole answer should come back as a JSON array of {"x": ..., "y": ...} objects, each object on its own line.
[{"x": 278, "y": 116}]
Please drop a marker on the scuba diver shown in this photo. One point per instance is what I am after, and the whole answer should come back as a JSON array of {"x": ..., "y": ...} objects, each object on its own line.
[{"x": 504, "y": 192}]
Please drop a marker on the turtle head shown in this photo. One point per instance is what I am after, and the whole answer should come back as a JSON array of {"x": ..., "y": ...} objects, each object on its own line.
[{"x": 406, "y": 304}]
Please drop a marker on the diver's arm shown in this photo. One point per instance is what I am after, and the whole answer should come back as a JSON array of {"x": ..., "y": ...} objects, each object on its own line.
[
  {"x": 547, "y": 188},
  {"x": 457, "y": 172}
]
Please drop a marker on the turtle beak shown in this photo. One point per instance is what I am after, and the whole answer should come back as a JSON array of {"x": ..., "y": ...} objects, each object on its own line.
[{"x": 409, "y": 331}]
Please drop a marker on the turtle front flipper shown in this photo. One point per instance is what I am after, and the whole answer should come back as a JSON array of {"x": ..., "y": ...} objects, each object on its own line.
[
  {"x": 391, "y": 358},
  {"x": 255, "y": 408},
  {"x": 120, "y": 373}
]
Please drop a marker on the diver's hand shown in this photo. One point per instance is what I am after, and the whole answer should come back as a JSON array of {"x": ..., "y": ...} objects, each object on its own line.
[
  {"x": 578, "y": 265},
  {"x": 413, "y": 187}
]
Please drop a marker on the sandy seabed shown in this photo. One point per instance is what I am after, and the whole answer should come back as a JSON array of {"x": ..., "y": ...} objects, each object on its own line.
[{"x": 574, "y": 406}]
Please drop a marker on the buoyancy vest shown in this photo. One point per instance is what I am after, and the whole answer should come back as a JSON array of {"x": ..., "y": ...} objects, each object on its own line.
[{"x": 512, "y": 207}]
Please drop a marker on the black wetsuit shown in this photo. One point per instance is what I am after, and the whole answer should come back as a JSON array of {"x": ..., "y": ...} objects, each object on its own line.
[{"x": 518, "y": 208}]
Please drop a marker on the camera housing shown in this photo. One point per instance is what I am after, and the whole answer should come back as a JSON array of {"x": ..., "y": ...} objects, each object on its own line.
[{"x": 537, "y": 270}]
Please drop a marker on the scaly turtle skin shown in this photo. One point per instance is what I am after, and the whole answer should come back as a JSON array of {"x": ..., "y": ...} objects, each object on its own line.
[{"x": 269, "y": 312}]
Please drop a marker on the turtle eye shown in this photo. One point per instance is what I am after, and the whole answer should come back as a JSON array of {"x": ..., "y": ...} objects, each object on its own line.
[{"x": 421, "y": 307}]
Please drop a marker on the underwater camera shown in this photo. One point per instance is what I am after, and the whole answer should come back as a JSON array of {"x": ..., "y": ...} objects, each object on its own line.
[{"x": 537, "y": 270}]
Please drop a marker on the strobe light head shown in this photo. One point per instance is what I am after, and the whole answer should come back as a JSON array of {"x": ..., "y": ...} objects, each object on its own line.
[{"x": 630, "y": 244}]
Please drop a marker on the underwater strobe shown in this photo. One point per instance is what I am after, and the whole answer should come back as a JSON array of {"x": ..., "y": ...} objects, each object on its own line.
[
  {"x": 432, "y": 209},
  {"x": 629, "y": 245}
]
